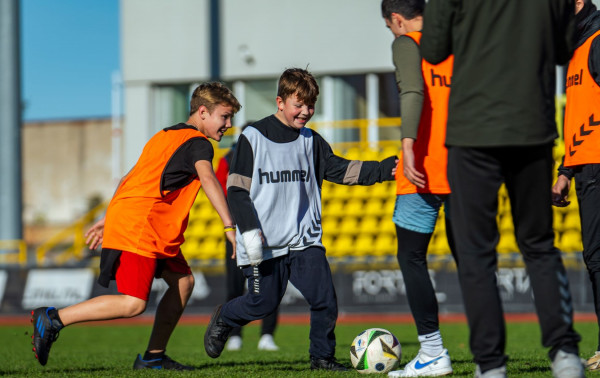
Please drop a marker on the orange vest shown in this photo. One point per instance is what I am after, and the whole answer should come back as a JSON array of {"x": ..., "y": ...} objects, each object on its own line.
[
  {"x": 141, "y": 217},
  {"x": 582, "y": 114},
  {"x": 431, "y": 156}
]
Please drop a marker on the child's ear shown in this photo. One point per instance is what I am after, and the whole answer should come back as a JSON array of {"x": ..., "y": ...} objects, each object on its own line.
[
  {"x": 279, "y": 103},
  {"x": 202, "y": 111}
]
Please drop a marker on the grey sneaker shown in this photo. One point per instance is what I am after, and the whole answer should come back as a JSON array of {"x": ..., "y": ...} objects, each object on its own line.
[
  {"x": 499, "y": 372},
  {"x": 567, "y": 365}
]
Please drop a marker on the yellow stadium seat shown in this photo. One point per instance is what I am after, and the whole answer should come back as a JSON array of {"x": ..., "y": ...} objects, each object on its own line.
[
  {"x": 506, "y": 225},
  {"x": 438, "y": 245},
  {"x": 364, "y": 245},
  {"x": 390, "y": 150},
  {"x": 352, "y": 153},
  {"x": 369, "y": 224},
  {"x": 385, "y": 244},
  {"x": 334, "y": 207},
  {"x": 349, "y": 225},
  {"x": 507, "y": 243},
  {"x": 572, "y": 221},
  {"x": 570, "y": 241},
  {"x": 330, "y": 225},
  {"x": 558, "y": 221},
  {"x": 374, "y": 207},
  {"x": 354, "y": 207},
  {"x": 343, "y": 246}
]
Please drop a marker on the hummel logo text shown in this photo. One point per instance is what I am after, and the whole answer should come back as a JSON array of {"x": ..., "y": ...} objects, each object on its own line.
[{"x": 282, "y": 176}]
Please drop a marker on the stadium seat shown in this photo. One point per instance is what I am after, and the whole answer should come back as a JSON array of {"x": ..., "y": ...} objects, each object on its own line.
[
  {"x": 343, "y": 246},
  {"x": 364, "y": 246},
  {"x": 369, "y": 224},
  {"x": 438, "y": 245},
  {"x": 349, "y": 225},
  {"x": 385, "y": 244},
  {"x": 570, "y": 241},
  {"x": 354, "y": 206},
  {"x": 507, "y": 243},
  {"x": 571, "y": 221}
]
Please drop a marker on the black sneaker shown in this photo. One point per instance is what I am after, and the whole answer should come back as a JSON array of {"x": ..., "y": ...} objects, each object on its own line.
[
  {"x": 216, "y": 334},
  {"x": 326, "y": 364},
  {"x": 45, "y": 331},
  {"x": 165, "y": 363}
]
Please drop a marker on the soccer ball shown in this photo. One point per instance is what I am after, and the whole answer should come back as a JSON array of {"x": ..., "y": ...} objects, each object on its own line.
[{"x": 375, "y": 350}]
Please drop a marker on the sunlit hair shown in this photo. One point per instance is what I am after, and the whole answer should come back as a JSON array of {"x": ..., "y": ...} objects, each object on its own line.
[
  {"x": 409, "y": 9},
  {"x": 212, "y": 94},
  {"x": 299, "y": 82}
]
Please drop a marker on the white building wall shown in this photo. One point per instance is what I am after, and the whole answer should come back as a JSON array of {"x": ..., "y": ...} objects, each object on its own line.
[
  {"x": 164, "y": 41},
  {"x": 261, "y": 38},
  {"x": 169, "y": 43}
]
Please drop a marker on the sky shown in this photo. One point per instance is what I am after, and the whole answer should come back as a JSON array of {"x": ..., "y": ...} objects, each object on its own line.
[{"x": 69, "y": 51}]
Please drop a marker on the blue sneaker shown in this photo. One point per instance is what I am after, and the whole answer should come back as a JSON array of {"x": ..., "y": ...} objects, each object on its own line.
[
  {"x": 46, "y": 326},
  {"x": 164, "y": 363}
]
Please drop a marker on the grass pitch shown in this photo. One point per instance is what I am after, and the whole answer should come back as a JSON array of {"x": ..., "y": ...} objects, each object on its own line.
[{"x": 109, "y": 351}]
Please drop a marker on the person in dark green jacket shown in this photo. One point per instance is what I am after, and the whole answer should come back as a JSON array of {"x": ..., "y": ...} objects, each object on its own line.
[{"x": 501, "y": 129}]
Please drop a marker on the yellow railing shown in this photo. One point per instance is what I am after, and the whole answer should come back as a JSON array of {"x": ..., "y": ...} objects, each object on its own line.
[
  {"x": 72, "y": 237},
  {"x": 6, "y": 257}
]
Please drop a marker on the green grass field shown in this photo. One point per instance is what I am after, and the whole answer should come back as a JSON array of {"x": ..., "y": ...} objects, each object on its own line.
[{"x": 109, "y": 351}]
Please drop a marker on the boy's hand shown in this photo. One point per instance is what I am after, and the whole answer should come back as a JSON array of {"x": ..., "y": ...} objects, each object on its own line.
[
  {"x": 560, "y": 191},
  {"x": 230, "y": 235},
  {"x": 387, "y": 168},
  {"x": 95, "y": 234},
  {"x": 253, "y": 242}
]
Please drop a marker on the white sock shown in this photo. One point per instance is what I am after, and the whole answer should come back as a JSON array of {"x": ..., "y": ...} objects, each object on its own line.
[{"x": 432, "y": 344}]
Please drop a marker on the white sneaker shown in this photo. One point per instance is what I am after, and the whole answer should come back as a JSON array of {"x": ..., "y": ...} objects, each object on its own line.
[
  {"x": 234, "y": 343},
  {"x": 266, "y": 342},
  {"x": 567, "y": 365},
  {"x": 426, "y": 366},
  {"x": 499, "y": 372}
]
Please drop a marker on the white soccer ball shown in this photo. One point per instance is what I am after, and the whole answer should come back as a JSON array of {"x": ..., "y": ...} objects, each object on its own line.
[{"x": 375, "y": 350}]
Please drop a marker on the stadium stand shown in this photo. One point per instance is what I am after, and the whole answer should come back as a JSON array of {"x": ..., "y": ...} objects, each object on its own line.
[{"x": 357, "y": 221}]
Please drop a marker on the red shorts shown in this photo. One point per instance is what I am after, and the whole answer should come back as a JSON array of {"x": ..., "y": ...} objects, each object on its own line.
[{"x": 134, "y": 273}]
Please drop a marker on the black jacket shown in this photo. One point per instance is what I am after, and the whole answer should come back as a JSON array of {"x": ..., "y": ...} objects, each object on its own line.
[{"x": 505, "y": 55}]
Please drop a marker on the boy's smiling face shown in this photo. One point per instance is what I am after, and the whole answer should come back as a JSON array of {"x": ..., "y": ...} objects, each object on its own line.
[
  {"x": 294, "y": 112},
  {"x": 217, "y": 122}
]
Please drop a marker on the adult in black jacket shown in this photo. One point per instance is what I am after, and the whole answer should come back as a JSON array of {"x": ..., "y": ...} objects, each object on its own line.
[{"x": 501, "y": 129}]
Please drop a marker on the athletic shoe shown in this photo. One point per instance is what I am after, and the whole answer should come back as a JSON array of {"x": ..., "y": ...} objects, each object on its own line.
[
  {"x": 266, "y": 342},
  {"x": 593, "y": 363},
  {"x": 45, "y": 331},
  {"x": 499, "y": 372},
  {"x": 234, "y": 343},
  {"x": 567, "y": 365},
  {"x": 216, "y": 334},
  {"x": 426, "y": 366},
  {"x": 164, "y": 363},
  {"x": 326, "y": 364}
]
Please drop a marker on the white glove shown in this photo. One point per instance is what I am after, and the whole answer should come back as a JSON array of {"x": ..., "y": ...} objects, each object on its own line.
[{"x": 253, "y": 243}]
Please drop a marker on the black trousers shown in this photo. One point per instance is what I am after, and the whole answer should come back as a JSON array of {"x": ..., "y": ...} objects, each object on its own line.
[
  {"x": 420, "y": 293},
  {"x": 236, "y": 282},
  {"x": 475, "y": 176},
  {"x": 587, "y": 186},
  {"x": 309, "y": 272}
]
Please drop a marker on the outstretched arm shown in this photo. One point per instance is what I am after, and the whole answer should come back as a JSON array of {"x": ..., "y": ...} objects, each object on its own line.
[{"x": 338, "y": 170}]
